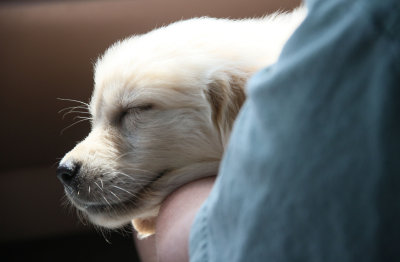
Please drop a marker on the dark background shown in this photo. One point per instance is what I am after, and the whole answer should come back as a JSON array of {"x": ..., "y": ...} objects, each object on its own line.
[{"x": 47, "y": 50}]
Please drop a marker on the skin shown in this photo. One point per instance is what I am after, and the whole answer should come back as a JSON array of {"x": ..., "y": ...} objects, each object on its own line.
[{"x": 177, "y": 213}]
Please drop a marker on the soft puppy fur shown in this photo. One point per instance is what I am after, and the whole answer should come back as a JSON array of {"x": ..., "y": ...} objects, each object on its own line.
[{"x": 162, "y": 110}]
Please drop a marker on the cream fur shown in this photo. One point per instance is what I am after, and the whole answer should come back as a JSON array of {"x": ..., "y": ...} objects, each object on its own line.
[{"x": 163, "y": 106}]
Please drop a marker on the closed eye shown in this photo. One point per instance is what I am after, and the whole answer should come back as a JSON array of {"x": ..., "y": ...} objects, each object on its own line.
[
  {"x": 145, "y": 107},
  {"x": 134, "y": 110}
]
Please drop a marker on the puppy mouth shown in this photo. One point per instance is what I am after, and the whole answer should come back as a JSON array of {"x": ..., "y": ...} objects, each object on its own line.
[
  {"x": 100, "y": 208},
  {"x": 103, "y": 206}
]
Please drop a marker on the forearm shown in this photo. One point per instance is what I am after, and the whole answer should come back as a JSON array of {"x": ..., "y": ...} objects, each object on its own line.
[{"x": 171, "y": 242}]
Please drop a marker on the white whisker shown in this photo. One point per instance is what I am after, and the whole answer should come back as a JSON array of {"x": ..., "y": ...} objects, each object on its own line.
[
  {"x": 106, "y": 200},
  {"x": 73, "y": 100},
  {"x": 135, "y": 179},
  {"x": 138, "y": 169},
  {"x": 98, "y": 186},
  {"x": 72, "y": 108},
  {"x": 123, "y": 189},
  {"x": 115, "y": 195},
  {"x": 82, "y": 117},
  {"x": 123, "y": 155},
  {"x": 77, "y": 122},
  {"x": 75, "y": 111}
]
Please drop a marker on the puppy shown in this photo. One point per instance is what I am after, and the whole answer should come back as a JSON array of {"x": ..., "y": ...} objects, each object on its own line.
[{"x": 162, "y": 110}]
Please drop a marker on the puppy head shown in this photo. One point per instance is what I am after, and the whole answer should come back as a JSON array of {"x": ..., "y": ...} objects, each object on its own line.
[{"x": 161, "y": 116}]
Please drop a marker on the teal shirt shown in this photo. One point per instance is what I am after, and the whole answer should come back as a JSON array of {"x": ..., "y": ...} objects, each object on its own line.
[{"x": 312, "y": 170}]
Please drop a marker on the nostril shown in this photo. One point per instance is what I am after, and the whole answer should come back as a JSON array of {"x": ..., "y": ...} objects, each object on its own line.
[{"x": 67, "y": 173}]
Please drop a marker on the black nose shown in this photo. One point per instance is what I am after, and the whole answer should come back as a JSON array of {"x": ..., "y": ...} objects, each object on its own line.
[{"x": 66, "y": 174}]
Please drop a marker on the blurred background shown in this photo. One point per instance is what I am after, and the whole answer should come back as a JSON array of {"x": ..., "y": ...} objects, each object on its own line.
[{"x": 47, "y": 51}]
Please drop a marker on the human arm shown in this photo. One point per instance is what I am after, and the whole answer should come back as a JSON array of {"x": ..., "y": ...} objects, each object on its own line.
[{"x": 173, "y": 224}]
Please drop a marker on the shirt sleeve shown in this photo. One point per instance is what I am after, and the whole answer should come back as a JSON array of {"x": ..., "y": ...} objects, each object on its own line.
[{"x": 312, "y": 170}]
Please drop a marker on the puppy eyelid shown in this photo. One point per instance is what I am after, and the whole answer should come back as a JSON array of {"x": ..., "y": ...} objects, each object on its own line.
[
  {"x": 144, "y": 107},
  {"x": 134, "y": 109}
]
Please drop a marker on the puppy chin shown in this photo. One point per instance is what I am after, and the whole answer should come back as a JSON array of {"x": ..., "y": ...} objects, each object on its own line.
[
  {"x": 118, "y": 220},
  {"x": 104, "y": 220}
]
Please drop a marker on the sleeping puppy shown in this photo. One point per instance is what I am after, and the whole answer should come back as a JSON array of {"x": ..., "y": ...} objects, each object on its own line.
[{"x": 162, "y": 110}]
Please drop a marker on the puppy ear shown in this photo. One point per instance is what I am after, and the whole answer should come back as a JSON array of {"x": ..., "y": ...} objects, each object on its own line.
[
  {"x": 226, "y": 94},
  {"x": 144, "y": 227}
]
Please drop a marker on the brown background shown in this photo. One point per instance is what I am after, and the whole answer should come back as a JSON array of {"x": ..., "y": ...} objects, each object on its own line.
[{"x": 47, "y": 49}]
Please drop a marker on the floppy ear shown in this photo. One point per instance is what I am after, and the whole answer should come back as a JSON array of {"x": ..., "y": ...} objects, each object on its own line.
[{"x": 226, "y": 94}]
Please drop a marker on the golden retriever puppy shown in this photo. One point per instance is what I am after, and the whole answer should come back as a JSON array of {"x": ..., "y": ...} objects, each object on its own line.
[{"x": 162, "y": 110}]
